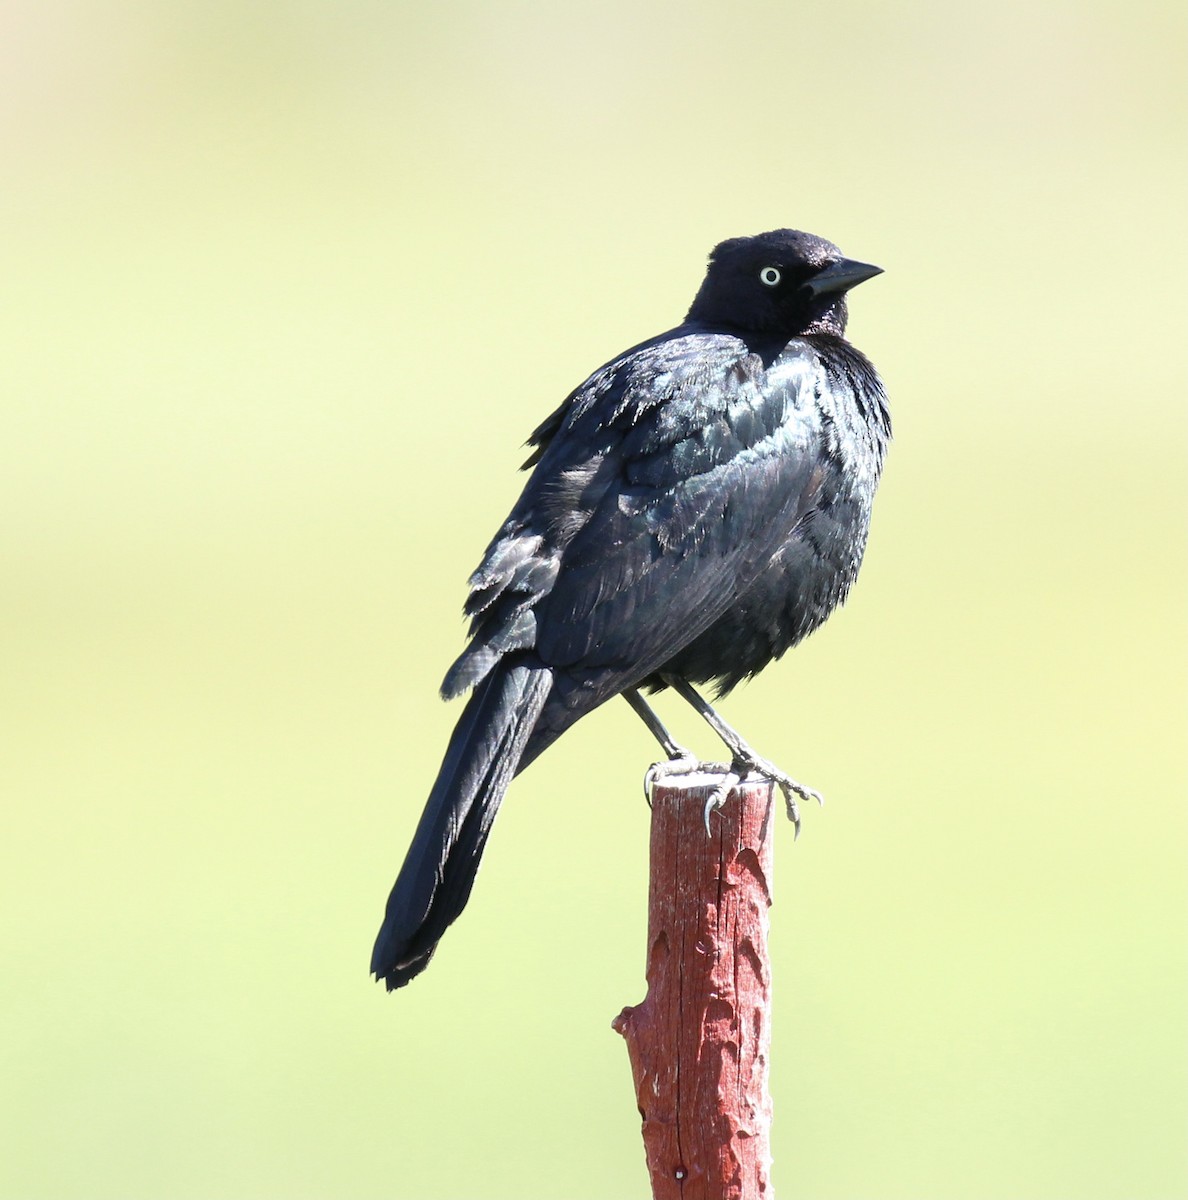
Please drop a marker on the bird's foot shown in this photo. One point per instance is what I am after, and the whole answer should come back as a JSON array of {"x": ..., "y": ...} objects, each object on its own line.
[
  {"x": 744, "y": 759},
  {"x": 688, "y": 764},
  {"x": 729, "y": 777},
  {"x": 748, "y": 761},
  {"x": 682, "y": 762}
]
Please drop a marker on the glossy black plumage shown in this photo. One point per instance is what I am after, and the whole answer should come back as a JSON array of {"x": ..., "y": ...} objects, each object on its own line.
[{"x": 696, "y": 507}]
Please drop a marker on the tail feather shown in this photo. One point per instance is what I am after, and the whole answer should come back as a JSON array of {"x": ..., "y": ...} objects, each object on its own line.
[{"x": 439, "y": 870}]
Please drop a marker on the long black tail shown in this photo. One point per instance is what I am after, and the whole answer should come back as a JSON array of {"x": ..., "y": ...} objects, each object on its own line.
[{"x": 439, "y": 869}]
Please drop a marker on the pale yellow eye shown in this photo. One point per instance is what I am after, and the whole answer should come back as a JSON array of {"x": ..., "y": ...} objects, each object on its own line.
[{"x": 770, "y": 276}]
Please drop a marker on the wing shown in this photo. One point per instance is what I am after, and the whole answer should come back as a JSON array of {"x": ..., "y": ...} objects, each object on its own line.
[{"x": 673, "y": 477}]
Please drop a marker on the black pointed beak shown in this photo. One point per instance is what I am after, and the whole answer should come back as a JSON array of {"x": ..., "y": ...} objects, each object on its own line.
[{"x": 839, "y": 277}]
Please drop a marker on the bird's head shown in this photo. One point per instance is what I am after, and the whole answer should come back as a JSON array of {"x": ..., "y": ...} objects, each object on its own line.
[{"x": 784, "y": 282}]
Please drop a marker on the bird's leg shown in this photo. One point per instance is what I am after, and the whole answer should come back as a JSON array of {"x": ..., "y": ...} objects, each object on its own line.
[
  {"x": 680, "y": 761},
  {"x": 655, "y": 726},
  {"x": 743, "y": 757}
]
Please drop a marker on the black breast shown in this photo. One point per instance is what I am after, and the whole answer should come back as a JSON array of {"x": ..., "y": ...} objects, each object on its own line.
[{"x": 818, "y": 561}]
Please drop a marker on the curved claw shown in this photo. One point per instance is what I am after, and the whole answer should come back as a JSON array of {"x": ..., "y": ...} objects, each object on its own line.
[
  {"x": 718, "y": 797},
  {"x": 790, "y": 788},
  {"x": 649, "y": 779},
  {"x": 792, "y": 808},
  {"x": 681, "y": 764}
]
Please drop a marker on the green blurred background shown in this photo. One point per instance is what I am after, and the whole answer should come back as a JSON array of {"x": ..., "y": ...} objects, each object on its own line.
[{"x": 284, "y": 288}]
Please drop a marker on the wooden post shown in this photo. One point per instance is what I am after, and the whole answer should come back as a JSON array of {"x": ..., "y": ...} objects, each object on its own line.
[{"x": 699, "y": 1043}]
